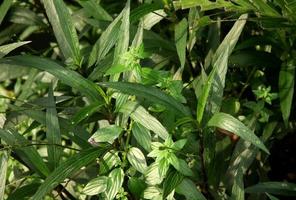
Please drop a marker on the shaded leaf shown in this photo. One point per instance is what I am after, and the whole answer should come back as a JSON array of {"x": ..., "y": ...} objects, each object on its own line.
[
  {"x": 3, "y": 169},
  {"x": 85, "y": 112},
  {"x": 4, "y": 8},
  {"x": 67, "y": 169},
  {"x": 53, "y": 133},
  {"x": 69, "y": 77},
  {"x": 280, "y": 188},
  {"x": 189, "y": 190},
  {"x": 25, "y": 151},
  {"x": 171, "y": 182},
  {"x": 142, "y": 135},
  {"x": 286, "y": 89},
  {"x": 180, "y": 40}
]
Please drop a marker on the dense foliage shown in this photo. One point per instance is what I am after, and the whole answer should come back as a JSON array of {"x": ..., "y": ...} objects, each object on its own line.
[{"x": 147, "y": 99}]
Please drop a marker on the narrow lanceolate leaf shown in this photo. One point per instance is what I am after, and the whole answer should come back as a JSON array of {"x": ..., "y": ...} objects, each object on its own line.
[
  {"x": 139, "y": 114},
  {"x": 137, "y": 159},
  {"x": 5, "y": 49},
  {"x": 96, "y": 186},
  {"x": 116, "y": 178},
  {"x": 67, "y": 169},
  {"x": 53, "y": 133},
  {"x": 95, "y": 9},
  {"x": 64, "y": 30},
  {"x": 106, "y": 134},
  {"x": 286, "y": 89},
  {"x": 123, "y": 38},
  {"x": 173, "y": 179},
  {"x": 5, "y": 5},
  {"x": 150, "y": 93},
  {"x": 180, "y": 40},
  {"x": 203, "y": 100},
  {"x": 3, "y": 170},
  {"x": 69, "y": 77},
  {"x": 220, "y": 60},
  {"x": 278, "y": 188},
  {"x": 231, "y": 124},
  {"x": 85, "y": 112},
  {"x": 25, "y": 151},
  {"x": 189, "y": 190},
  {"x": 238, "y": 191},
  {"x": 105, "y": 42}
]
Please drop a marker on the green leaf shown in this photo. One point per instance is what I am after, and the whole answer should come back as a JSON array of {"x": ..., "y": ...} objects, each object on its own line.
[
  {"x": 115, "y": 182},
  {"x": 53, "y": 133},
  {"x": 180, "y": 165},
  {"x": 143, "y": 10},
  {"x": 3, "y": 169},
  {"x": 178, "y": 145},
  {"x": 95, "y": 9},
  {"x": 6, "y": 49},
  {"x": 220, "y": 61},
  {"x": 238, "y": 191},
  {"x": 277, "y": 188},
  {"x": 69, "y": 77},
  {"x": 150, "y": 93},
  {"x": 67, "y": 169},
  {"x": 152, "y": 176},
  {"x": 85, "y": 112},
  {"x": 180, "y": 40},
  {"x": 4, "y": 8},
  {"x": 110, "y": 160},
  {"x": 137, "y": 159},
  {"x": 171, "y": 182},
  {"x": 231, "y": 124},
  {"x": 123, "y": 37},
  {"x": 271, "y": 197},
  {"x": 136, "y": 186},
  {"x": 206, "y": 89},
  {"x": 106, "y": 134},
  {"x": 141, "y": 115},
  {"x": 105, "y": 42},
  {"x": 25, "y": 151},
  {"x": 142, "y": 135},
  {"x": 96, "y": 186},
  {"x": 286, "y": 89},
  {"x": 189, "y": 190},
  {"x": 64, "y": 30},
  {"x": 24, "y": 191}
]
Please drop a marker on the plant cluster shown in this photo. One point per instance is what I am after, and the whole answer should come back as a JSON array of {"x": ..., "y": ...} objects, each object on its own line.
[{"x": 147, "y": 99}]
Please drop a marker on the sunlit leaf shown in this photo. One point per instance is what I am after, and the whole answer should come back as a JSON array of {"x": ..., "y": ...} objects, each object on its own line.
[
  {"x": 96, "y": 185},
  {"x": 140, "y": 115},
  {"x": 137, "y": 159},
  {"x": 231, "y": 124},
  {"x": 150, "y": 93},
  {"x": 64, "y": 29},
  {"x": 115, "y": 182}
]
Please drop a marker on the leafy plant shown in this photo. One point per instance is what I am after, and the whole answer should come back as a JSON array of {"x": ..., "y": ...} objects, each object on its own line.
[{"x": 145, "y": 99}]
